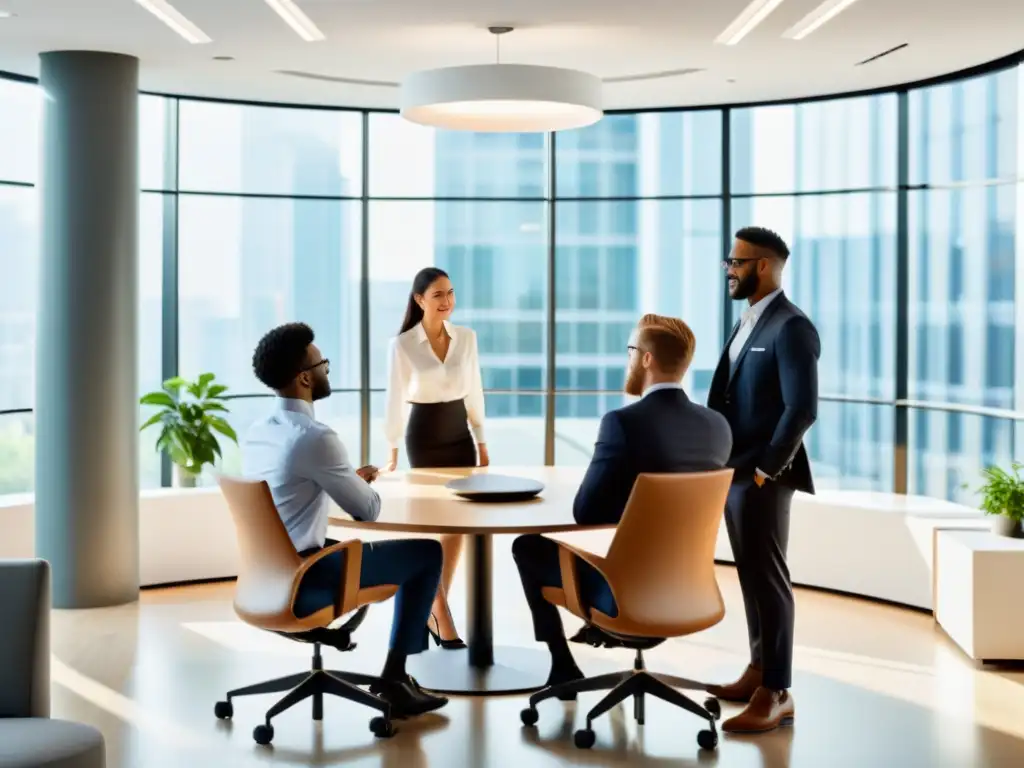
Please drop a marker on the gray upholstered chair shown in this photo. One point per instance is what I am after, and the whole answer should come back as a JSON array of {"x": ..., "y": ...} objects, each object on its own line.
[{"x": 28, "y": 736}]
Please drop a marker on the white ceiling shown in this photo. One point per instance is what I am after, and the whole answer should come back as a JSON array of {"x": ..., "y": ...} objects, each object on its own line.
[{"x": 383, "y": 40}]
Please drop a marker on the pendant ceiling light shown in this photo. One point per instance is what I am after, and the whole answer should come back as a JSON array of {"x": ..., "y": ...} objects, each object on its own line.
[{"x": 502, "y": 97}]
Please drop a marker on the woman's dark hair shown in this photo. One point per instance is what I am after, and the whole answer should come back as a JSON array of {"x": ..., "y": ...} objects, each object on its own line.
[{"x": 423, "y": 280}]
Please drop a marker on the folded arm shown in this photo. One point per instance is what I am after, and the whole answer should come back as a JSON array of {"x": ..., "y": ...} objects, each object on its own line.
[
  {"x": 797, "y": 349},
  {"x": 325, "y": 462},
  {"x": 600, "y": 496}
]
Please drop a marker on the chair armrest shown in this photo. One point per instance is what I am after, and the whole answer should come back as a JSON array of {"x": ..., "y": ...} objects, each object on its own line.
[
  {"x": 348, "y": 594},
  {"x": 567, "y": 555}
]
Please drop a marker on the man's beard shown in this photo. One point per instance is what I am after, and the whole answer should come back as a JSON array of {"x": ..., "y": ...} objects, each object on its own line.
[
  {"x": 634, "y": 381},
  {"x": 745, "y": 287},
  {"x": 321, "y": 389}
]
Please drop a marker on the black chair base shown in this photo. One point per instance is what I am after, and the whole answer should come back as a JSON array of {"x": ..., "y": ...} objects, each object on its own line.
[
  {"x": 313, "y": 685},
  {"x": 636, "y": 683}
]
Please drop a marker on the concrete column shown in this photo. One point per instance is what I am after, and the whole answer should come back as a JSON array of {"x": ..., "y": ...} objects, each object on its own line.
[{"x": 87, "y": 487}]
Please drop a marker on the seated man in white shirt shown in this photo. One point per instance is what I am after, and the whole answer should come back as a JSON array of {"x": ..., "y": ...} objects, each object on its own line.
[{"x": 306, "y": 465}]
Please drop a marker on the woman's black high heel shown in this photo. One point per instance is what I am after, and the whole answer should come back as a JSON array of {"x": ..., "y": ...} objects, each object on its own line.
[{"x": 448, "y": 645}]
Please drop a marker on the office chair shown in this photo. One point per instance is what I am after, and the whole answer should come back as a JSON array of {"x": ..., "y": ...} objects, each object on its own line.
[
  {"x": 269, "y": 573},
  {"x": 28, "y": 735},
  {"x": 661, "y": 570}
]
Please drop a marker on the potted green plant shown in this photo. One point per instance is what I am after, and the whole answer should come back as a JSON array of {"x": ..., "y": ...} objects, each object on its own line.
[
  {"x": 190, "y": 415},
  {"x": 1002, "y": 496}
]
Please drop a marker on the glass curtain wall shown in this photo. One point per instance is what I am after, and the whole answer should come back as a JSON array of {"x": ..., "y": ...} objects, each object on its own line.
[{"x": 902, "y": 211}]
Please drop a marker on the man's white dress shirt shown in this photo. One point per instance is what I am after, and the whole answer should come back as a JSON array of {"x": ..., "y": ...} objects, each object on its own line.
[
  {"x": 748, "y": 322},
  {"x": 305, "y": 464}
]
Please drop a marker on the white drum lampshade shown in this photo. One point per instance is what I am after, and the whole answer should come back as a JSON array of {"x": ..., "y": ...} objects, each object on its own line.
[{"x": 502, "y": 98}]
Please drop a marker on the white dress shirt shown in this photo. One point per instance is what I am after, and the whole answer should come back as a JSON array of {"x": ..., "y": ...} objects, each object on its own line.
[
  {"x": 305, "y": 465},
  {"x": 747, "y": 324},
  {"x": 416, "y": 375}
]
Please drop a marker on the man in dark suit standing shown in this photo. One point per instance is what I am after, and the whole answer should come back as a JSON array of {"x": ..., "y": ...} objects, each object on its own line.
[
  {"x": 663, "y": 432},
  {"x": 766, "y": 385}
]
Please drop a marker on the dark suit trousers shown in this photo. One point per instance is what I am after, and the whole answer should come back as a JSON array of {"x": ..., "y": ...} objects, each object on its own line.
[
  {"x": 757, "y": 519},
  {"x": 537, "y": 561},
  {"x": 413, "y": 564}
]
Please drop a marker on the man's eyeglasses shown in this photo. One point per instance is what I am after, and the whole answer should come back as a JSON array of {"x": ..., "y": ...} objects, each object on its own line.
[
  {"x": 737, "y": 263},
  {"x": 325, "y": 363}
]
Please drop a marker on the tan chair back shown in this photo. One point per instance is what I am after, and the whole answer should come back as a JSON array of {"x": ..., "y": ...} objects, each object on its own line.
[
  {"x": 268, "y": 564},
  {"x": 661, "y": 562}
]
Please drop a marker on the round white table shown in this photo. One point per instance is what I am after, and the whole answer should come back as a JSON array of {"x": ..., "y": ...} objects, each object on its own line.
[{"x": 417, "y": 501}]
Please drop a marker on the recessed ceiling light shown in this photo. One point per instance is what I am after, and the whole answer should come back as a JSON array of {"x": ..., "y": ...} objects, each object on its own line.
[
  {"x": 297, "y": 20},
  {"x": 6, "y": 15},
  {"x": 816, "y": 18},
  {"x": 749, "y": 18},
  {"x": 174, "y": 19}
]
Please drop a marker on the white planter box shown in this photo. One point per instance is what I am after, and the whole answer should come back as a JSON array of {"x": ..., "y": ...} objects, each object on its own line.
[{"x": 978, "y": 577}]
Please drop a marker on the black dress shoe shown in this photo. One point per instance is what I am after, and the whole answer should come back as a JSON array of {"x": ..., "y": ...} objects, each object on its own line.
[
  {"x": 406, "y": 698},
  {"x": 562, "y": 675},
  {"x": 581, "y": 635},
  {"x": 596, "y": 637}
]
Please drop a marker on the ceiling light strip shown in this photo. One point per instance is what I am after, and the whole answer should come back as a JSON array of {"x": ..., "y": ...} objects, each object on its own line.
[
  {"x": 749, "y": 18},
  {"x": 174, "y": 19},
  {"x": 297, "y": 20},
  {"x": 816, "y": 18}
]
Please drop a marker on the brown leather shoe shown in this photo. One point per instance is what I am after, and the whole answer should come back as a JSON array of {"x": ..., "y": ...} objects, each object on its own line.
[
  {"x": 742, "y": 689},
  {"x": 766, "y": 711}
]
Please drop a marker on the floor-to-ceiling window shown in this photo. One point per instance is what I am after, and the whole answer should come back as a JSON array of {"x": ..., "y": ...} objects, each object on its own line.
[
  {"x": 21, "y": 112},
  {"x": 20, "y": 123},
  {"x": 965, "y": 233},
  {"x": 824, "y": 175},
  {"x": 897, "y": 207},
  {"x": 475, "y": 205},
  {"x": 638, "y": 228}
]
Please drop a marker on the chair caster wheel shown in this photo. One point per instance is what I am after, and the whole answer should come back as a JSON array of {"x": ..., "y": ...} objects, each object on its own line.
[
  {"x": 382, "y": 728},
  {"x": 224, "y": 710},
  {"x": 263, "y": 734},
  {"x": 707, "y": 739},
  {"x": 584, "y": 738},
  {"x": 529, "y": 716},
  {"x": 713, "y": 707}
]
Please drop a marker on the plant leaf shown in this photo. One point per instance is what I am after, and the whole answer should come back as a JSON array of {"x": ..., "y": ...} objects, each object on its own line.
[
  {"x": 223, "y": 427},
  {"x": 174, "y": 384},
  {"x": 158, "y": 398},
  {"x": 154, "y": 419},
  {"x": 1003, "y": 492},
  {"x": 216, "y": 391}
]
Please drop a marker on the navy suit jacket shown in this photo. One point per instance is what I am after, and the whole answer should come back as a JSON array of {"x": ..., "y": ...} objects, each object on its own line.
[
  {"x": 770, "y": 396},
  {"x": 662, "y": 432}
]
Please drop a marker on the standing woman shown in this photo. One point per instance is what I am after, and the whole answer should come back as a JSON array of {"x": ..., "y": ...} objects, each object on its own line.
[{"x": 435, "y": 370}]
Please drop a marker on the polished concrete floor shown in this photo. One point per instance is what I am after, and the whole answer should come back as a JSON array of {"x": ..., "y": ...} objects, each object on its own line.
[{"x": 874, "y": 686}]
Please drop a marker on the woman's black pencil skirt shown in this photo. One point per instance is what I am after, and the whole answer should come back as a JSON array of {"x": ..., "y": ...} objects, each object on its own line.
[{"x": 438, "y": 436}]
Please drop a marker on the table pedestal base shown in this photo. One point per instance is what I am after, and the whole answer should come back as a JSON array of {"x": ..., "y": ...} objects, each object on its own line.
[{"x": 515, "y": 670}]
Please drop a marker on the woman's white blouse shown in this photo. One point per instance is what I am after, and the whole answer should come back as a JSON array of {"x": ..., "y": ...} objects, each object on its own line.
[{"x": 416, "y": 375}]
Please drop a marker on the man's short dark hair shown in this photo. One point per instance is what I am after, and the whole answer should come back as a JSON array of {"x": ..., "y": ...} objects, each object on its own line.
[
  {"x": 764, "y": 238},
  {"x": 281, "y": 354}
]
